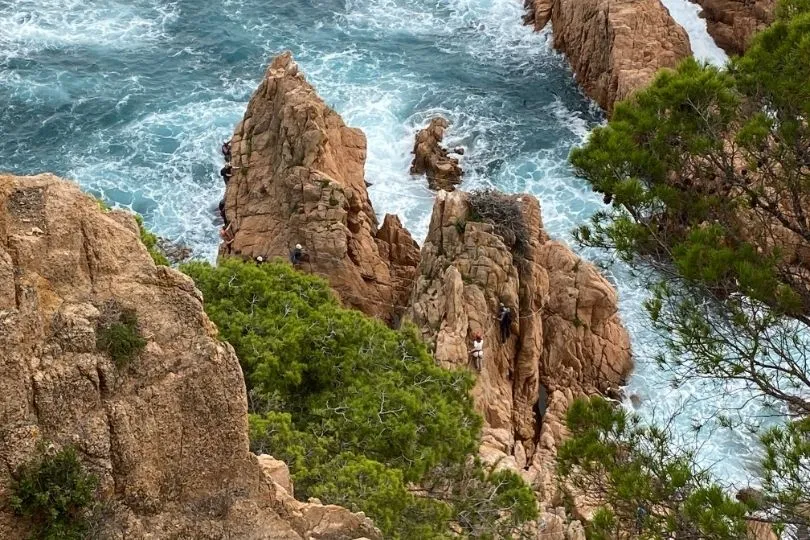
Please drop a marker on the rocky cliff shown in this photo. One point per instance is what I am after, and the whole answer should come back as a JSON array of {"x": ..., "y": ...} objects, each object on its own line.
[
  {"x": 166, "y": 434},
  {"x": 614, "y": 46},
  {"x": 300, "y": 180},
  {"x": 733, "y": 23},
  {"x": 566, "y": 338}
]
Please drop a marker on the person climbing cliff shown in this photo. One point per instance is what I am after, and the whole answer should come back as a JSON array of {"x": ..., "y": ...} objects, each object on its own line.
[
  {"x": 227, "y": 236},
  {"x": 224, "y": 217},
  {"x": 226, "y": 151},
  {"x": 478, "y": 351},
  {"x": 226, "y": 172},
  {"x": 505, "y": 322},
  {"x": 296, "y": 254}
]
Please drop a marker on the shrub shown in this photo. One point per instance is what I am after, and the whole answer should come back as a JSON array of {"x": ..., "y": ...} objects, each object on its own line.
[
  {"x": 151, "y": 242},
  {"x": 118, "y": 335},
  {"x": 504, "y": 213},
  {"x": 55, "y": 493}
]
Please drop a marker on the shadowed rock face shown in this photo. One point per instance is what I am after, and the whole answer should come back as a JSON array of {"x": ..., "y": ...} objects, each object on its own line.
[
  {"x": 615, "y": 47},
  {"x": 167, "y": 434},
  {"x": 300, "y": 179},
  {"x": 566, "y": 337},
  {"x": 430, "y": 157},
  {"x": 733, "y": 23}
]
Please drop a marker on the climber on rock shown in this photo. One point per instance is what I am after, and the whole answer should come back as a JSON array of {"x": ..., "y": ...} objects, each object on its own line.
[
  {"x": 478, "y": 351},
  {"x": 505, "y": 322},
  {"x": 296, "y": 254},
  {"x": 222, "y": 213},
  {"x": 226, "y": 151},
  {"x": 226, "y": 233},
  {"x": 226, "y": 172}
]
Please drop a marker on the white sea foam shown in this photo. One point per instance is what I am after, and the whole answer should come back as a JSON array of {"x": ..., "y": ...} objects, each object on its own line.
[
  {"x": 687, "y": 14},
  {"x": 34, "y": 25}
]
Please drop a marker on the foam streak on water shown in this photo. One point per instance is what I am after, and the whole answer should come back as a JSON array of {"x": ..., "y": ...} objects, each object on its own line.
[
  {"x": 132, "y": 99},
  {"x": 687, "y": 14}
]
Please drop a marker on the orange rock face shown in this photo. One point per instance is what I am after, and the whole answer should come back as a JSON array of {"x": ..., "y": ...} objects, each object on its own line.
[
  {"x": 566, "y": 338},
  {"x": 733, "y": 23},
  {"x": 615, "y": 47},
  {"x": 430, "y": 157},
  {"x": 166, "y": 435},
  {"x": 299, "y": 179}
]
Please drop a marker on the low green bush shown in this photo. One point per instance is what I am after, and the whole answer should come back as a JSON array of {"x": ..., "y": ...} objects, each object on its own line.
[
  {"x": 119, "y": 337},
  {"x": 56, "y": 494},
  {"x": 150, "y": 241}
]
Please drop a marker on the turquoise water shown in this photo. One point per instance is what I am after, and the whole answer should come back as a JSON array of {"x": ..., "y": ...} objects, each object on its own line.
[{"x": 132, "y": 99}]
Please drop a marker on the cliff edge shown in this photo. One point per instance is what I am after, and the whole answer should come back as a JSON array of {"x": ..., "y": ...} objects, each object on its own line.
[
  {"x": 166, "y": 433},
  {"x": 615, "y": 47}
]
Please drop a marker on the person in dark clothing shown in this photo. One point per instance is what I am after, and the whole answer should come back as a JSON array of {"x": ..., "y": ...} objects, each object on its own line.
[
  {"x": 226, "y": 172},
  {"x": 505, "y": 321},
  {"x": 296, "y": 254},
  {"x": 226, "y": 151},
  {"x": 222, "y": 213}
]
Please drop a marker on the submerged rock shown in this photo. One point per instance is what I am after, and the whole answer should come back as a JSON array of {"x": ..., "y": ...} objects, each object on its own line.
[
  {"x": 167, "y": 433},
  {"x": 615, "y": 47},
  {"x": 431, "y": 158},
  {"x": 566, "y": 337},
  {"x": 300, "y": 180}
]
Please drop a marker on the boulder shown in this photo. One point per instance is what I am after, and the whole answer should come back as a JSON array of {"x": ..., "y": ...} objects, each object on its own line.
[
  {"x": 299, "y": 179},
  {"x": 733, "y": 23},
  {"x": 566, "y": 337},
  {"x": 615, "y": 47},
  {"x": 431, "y": 158},
  {"x": 166, "y": 434}
]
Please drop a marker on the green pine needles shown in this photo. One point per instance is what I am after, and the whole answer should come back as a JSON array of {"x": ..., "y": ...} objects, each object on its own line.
[
  {"x": 360, "y": 412},
  {"x": 708, "y": 175}
]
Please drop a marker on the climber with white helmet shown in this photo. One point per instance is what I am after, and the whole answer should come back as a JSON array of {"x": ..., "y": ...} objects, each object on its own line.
[{"x": 296, "y": 254}]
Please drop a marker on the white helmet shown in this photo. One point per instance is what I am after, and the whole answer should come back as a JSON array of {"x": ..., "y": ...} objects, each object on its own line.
[{"x": 298, "y": 246}]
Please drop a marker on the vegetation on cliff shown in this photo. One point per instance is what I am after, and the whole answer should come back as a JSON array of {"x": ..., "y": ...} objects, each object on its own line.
[
  {"x": 55, "y": 493},
  {"x": 708, "y": 173},
  {"x": 361, "y": 413}
]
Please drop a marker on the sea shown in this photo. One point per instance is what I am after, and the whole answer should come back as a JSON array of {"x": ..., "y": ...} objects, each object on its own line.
[{"x": 132, "y": 99}]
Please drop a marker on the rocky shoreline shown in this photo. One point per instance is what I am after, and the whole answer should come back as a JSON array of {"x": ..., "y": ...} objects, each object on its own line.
[{"x": 301, "y": 180}]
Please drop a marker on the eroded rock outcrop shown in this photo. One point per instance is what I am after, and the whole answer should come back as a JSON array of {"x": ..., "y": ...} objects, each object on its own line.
[
  {"x": 166, "y": 434},
  {"x": 431, "y": 158},
  {"x": 300, "y": 179},
  {"x": 615, "y": 47},
  {"x": 566, "y": 337},
  {"x": 733, "y": 23}
]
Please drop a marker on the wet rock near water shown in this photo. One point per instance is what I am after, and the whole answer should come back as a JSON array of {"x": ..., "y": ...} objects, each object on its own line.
[
  {"x": 615, "y": 47},
  {"x": 431, "y": 158}
]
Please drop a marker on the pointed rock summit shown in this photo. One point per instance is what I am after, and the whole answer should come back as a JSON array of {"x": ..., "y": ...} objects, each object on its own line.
[{"x": 299, "y": 179}]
